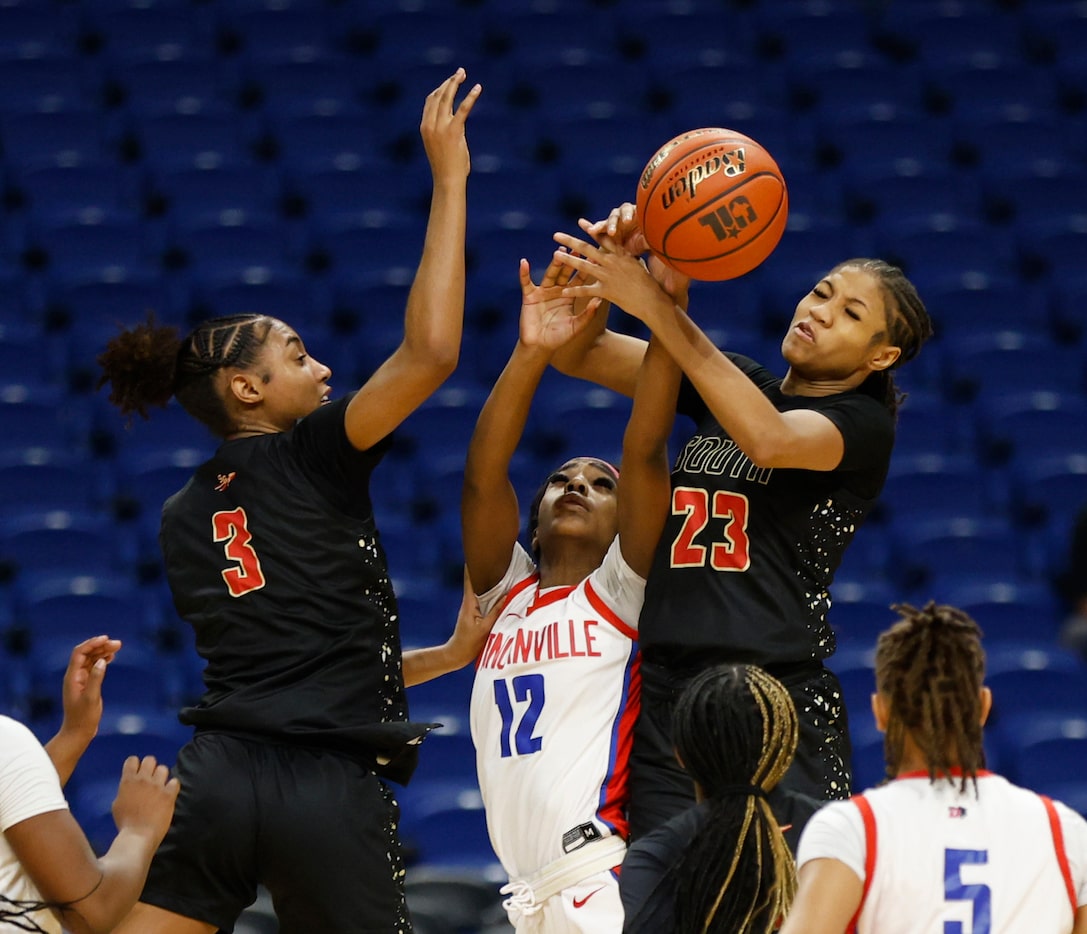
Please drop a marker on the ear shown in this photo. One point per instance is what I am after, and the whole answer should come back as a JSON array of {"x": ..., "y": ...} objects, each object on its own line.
[
  {"x": 986, "y": 704},
  {"x": 880, "y": 711},
  {"x": 884, "y": 357},
  {"x": 246, "y": 388}
]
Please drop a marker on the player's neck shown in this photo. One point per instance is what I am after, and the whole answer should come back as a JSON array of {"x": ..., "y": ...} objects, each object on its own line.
[{"x": 570, "y": 569}]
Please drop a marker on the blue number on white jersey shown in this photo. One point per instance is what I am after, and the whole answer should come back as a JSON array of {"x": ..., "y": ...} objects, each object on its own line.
[
  {"x": 956, "y": 890},
  {"x": 525, "y": 688}
]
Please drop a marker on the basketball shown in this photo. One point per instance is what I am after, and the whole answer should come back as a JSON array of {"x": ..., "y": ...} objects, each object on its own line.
[{"x": 712, "y": 204}]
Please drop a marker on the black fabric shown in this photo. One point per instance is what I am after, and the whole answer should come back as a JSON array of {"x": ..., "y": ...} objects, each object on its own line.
[
  {"x": 748, "y": 554},
  {"x": 273, "y": 557},
  {"x": 316, "y": 828},
  {"x": 660, "y": 789}
]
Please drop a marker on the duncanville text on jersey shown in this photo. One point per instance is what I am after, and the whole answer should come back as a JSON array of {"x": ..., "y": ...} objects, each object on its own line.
[{"x": 559, "y": 639}]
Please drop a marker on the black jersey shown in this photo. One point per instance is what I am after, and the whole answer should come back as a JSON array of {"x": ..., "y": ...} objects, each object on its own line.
[
  {"x": 273, "y": 557},
  {"x": 743, "y": 567}
]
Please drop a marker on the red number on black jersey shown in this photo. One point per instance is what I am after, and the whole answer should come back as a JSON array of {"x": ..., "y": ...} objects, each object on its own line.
[
  {"x": 733, "y": 552},
  {"x": 231, "y": 526}
]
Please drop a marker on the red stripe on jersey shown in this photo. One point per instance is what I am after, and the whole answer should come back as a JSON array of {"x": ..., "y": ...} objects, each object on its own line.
[
  {"x": 1058, "y": 845},
  {"x": 869, "y": 853},
  {"x": 518, "y": 587},
  {"x": 615, "y": 793},
  {"x": 553, "y": 595},
  {"x": 608, "y": 614}
]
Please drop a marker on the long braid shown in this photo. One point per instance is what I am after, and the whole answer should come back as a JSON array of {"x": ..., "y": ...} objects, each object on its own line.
[
  {"x": 930, "y": 666},
  {"x": 908, "y": 325},
  {"x": 148, "y": 364},
  {"x": 735, "y": 729}
]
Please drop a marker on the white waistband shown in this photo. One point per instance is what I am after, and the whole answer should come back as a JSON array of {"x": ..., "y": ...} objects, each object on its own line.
[{"x": 528, "y": 895}]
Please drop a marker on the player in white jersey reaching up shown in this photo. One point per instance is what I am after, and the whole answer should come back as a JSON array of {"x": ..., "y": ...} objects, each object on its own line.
[
  {"x": 556, "y": 687},
  {"x": 945, "y": 845}
]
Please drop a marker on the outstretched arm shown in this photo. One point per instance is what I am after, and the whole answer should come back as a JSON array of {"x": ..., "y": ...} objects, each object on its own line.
[
  {"x": 799, "y": 439},
  {"x": 645, "y": 489},
  {"x": 598, "y": 354},
  {"x": 435, "y": 309},
  {"x": 82, "y": 700},
  {"x": 96, "y": 893},
  {"x": 490, "y": 519},
  {"x": 462, "y": 647}
]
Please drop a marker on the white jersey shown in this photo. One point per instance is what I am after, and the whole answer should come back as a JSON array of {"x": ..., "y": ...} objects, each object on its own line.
[
  {"x": 29, "y": 786},
  {"x": 553, "y": 707},
  {"x": 933, "y": 858}
]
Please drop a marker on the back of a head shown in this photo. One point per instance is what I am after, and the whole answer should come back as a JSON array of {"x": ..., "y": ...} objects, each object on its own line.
[
  {"x": 735, "y": 728},
  {"x": 148, "y": 364},
  {"x": 930, "y": 667}
]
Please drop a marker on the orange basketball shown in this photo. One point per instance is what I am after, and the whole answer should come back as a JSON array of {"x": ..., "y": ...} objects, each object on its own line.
[{"x": 712, "y": 204}]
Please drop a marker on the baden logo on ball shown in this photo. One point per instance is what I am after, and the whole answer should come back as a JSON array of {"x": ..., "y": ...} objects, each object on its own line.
[{"x": 712, "y": 203}]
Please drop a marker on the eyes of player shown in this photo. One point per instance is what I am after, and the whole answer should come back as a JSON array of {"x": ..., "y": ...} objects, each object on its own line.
[{"x": 602, "y": 482}]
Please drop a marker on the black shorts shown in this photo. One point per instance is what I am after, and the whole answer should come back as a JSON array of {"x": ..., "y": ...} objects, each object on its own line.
[
  {"x": 660, "y": 788},
  {"x": 318, "y": 830}
]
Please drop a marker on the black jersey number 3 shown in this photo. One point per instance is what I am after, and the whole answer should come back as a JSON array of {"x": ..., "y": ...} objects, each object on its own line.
[
  {"x": 232, "y": 527},
  {"x": 732, "y": 551}
]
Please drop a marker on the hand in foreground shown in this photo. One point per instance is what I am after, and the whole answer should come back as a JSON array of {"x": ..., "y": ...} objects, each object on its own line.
[
  {"x": 621, "y": 226},
  {"x": 472, "y": 628},
  {"x": 613, "y": 275},
  {"x": 145, "y": 798},
  {"x": 548, "y": 316},
  {"x": 82, "y": 691},
  {"x": 442, "y": 128}
]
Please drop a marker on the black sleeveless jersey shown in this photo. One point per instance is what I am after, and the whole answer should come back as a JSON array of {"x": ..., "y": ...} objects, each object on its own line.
[
  {"x": 745, "y": 563},
  {"x": 273, "y": 558}
]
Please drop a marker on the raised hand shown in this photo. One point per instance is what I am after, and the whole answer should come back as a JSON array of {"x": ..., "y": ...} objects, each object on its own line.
[
  {"x": 548, "y": 316},
  {"x": 442, "y": 128},
  {"x": 621, "y": 227},
  {"x": 82, "y": 691},
  {"x": 611, "y": 274},
  {"x": 145, "y": 798}
]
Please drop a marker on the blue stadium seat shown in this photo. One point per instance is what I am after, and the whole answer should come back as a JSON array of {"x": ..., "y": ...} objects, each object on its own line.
[
  {"x": 145, "y": 32},
  {"x": 1057, "y": 251},
  {"x": 35, "y": 31},
  {"x": 191, "y": 140},
  {"x": 53, "y": 84},
  {"x": 188, "y": 86},
  {"x": 929, "y": 554},
  {"x": 321, "y": 87},
  {"x": 46, "y": 478},
  {"x": 1002, "y": 362},
  {"x": 1035, "y": 676},
  {"x": 943, "y": 246},
  {"x": 1008, "y": 611},
  {"x": 169, "y": 429},
  {"x": 928, "y": 425},
  {"x": 113, "y": 250},
  {"x": 40, "y": 543},
  {"x": 148, "y": 477},
  {"x": 253, "y": 251},
  {"x": 1046, "y": 487},
  {"x": 36, "y": 415},
  {"x": 68, "y": 607},
  {"x": 448, "y": 826},
  {"x": 81, "y": 192},
  {"x": 931, "y": 485},
  {"x": 1035, "y": 423},
  {"x": 316, "y": 142},
  {"x": 53, "y": 137},
  {"x": 28, "y": 357},
  {"x": 273, "y": 35},
  {"x": 985, "y": 305},
  {"x": 193, "y": 197}
]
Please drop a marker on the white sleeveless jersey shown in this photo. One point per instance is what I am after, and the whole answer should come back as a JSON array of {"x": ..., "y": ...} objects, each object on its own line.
[
  {"x": 934, "y": 859},
  {"x": 553, "y": 708}
]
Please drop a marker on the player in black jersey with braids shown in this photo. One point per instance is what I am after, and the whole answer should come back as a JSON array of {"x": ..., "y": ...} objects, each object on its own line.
[
  {"x": 273, "y": 557},
  {"x": 766, "y": 495}
]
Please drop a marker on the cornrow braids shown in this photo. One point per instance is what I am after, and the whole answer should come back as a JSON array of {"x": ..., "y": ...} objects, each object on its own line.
[
  {"x": 148, "y": 364},
  {"x": 930, "y": 666},
  {"x": 735, "y": 729},
  {"x": 908, "y": 325}
]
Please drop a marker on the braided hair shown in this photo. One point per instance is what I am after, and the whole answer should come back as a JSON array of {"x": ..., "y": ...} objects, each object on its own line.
[
  {"x": 908, "y": 325},
  {"x": 147, "y": 364},
  {"x": 930, "y": 666},
  {"x": 16, "y": 913},
  {"x": 735, "y": 729}
]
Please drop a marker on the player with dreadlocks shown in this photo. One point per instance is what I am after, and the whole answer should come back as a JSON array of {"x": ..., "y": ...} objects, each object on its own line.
[
  {"x": 723, "y": 865},
  {"x": 944, "y": 844}
]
